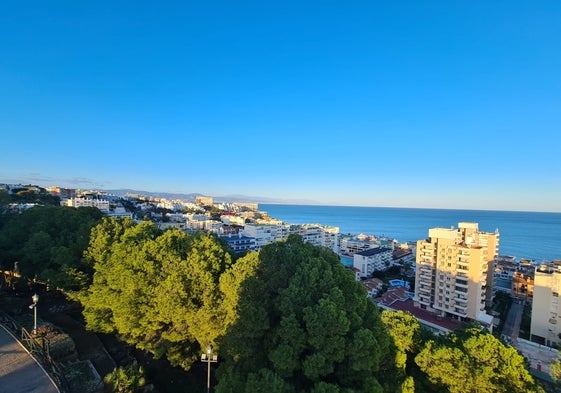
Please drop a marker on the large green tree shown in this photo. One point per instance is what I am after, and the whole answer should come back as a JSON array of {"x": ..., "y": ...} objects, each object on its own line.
[
  {"x": 169, "y": 293},
  {"x": 305, "y": 325},
  {"x": 406, "y": 333},
  {"x": 473, "y": 361},
  {"x": 48, "y": 242}
]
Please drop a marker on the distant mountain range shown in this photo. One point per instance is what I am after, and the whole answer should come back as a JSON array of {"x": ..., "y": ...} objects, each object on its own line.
[{"x": 225, "y": 198}]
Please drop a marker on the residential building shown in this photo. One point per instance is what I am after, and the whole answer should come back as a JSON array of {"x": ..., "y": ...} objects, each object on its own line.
[
  {"x": 373, "y": 286},
  {"x": 318, "y": 235},
  {"x": 230, "y": 219},
  {"x": 119, "y": 212},
  {"x": 63, "y": 193},
  {"x": 265, "y": 234},
  {"x": 350, "y": 245},
  {"x": 514, "y": 277},
  {"x": 239, "y": 243},
  {"x": 101, "y": 204},
  {"x": 204, "y": 201},
  {"x": 452, "y": 270},
  {"x": 199, "y": 222},
  {"x": 397, "y": 299},
  {"x": 373, "y": 259},
  {"x": 545, "y": 327},
  {"x": 246, "y": 206},
  {"x": 523, "y": 284}
]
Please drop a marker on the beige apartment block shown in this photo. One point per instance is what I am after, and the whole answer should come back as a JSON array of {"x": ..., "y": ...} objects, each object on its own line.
[
  {"x": 546, "y": 316},
  {"x": 453, "y": 266}
]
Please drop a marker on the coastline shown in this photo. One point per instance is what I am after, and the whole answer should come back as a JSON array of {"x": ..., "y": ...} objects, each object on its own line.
[{"x": 524, "y": 235}]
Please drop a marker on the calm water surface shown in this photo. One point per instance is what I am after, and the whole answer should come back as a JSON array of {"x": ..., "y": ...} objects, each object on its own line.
[{"x": 522, "y": 234}]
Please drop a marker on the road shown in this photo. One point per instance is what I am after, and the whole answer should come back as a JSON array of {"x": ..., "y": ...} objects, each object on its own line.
[
  {"x": 511, "y": 327},
  {"x": 19, "y": 372}
]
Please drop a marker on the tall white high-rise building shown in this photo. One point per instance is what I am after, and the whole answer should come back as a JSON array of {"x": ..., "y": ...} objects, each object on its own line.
[
  {"x": 453, "y": 266},
  {"x": 545, "y": 327}
]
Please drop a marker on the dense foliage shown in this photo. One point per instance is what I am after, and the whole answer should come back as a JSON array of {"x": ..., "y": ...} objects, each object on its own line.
[
  {"x": 475, "y": 361},
  {"x": 48, "y": 243},
  {"x": 125, "y": 379},
  {"x": 169, "y": 293},
  {"x": 305, "y": 325},
  {"x": 406, "y": 333}
]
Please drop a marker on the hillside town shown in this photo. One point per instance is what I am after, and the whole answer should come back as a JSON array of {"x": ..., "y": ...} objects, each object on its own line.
[{"x": 453, "y": 276}]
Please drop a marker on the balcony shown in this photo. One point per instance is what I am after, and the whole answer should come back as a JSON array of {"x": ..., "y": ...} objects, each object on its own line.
[
  {"x": 424, "y": 298},
  {"x": 463, "y": 306}
]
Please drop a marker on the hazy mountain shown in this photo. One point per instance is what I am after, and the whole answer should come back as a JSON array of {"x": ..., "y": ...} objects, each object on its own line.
[{"x": 225, "y": 198}]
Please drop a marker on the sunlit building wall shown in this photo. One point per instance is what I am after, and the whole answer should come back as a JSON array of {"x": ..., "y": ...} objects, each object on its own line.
[
  {"x": 545, "y": 327},
  {"x": 452, "y": 271}
]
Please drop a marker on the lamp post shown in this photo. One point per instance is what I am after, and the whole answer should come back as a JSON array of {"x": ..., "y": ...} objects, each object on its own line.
[
  {"x": 35, "y": 299},
  {"x": 208, "y": 358}
]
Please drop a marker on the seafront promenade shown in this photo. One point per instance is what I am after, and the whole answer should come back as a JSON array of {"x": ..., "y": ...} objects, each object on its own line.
[{"x": 19, "y": 371}]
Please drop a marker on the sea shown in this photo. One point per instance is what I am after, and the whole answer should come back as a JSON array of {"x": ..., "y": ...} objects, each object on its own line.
[{"x": 524, "y": 235}]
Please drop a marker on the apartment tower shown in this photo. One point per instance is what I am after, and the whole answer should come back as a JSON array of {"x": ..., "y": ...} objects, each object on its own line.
[
  {"x": 453, "y": 266},
  {"x": 545, "y": 327}
]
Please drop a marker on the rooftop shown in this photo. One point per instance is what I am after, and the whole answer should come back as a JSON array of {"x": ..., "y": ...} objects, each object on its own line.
[
  {"x": 373, "y": 251},
  {"x": 396, "y": 298}
]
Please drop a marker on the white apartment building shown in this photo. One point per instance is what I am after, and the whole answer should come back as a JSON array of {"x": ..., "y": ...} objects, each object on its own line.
[
  {"x": 318, "y": 235},
  {"x": 265, "y": 234},
  {"x": 119, "y": 212},
  {"x": 373, "y": 259},
  {"x": 545, "y": 327},
  {"x": 350, "y": 245},
  {"x": 232, "y": 220},
  {"x": 201, "y": 223},
  {"x": 101, "y": 204},
  {"x": 452, "y": 270}
]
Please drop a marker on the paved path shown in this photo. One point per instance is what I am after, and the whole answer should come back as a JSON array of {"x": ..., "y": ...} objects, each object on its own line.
[
  {"x": 511, "y": 328},
  {"x": 539, "y": 356},
  {"x": 19, "y": 372}
]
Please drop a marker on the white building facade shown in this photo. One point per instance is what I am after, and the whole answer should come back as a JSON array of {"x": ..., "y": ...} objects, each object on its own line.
[{"x": 372, "y": 260}]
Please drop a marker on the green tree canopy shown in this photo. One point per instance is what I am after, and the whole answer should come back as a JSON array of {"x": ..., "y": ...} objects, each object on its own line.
[
  {"x": 127, "y": 379},
  {"x": 555, "y": 372},
  {"x": 48, "y": 242},
  {"x": 169, "y": 293},
  {"x": 405, "y": 331},
  {"x": 475, "y": 361},
  {"x": 305, "y": 325}
]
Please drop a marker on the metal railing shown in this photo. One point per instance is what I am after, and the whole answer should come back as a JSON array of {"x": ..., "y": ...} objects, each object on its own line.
[{"x": 39, "y": 347}]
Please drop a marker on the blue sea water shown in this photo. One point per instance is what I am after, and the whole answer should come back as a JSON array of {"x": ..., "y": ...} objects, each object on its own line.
[{"x": 531, "y": 235}]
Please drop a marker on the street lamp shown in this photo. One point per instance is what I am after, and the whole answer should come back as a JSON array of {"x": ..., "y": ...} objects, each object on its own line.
[
  {"x": 35, "y": 299},
  {"x": 208, "y": 358}
]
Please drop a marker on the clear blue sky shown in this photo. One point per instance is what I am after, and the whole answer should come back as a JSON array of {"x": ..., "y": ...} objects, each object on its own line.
[{"x": 446, "y": 104}]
